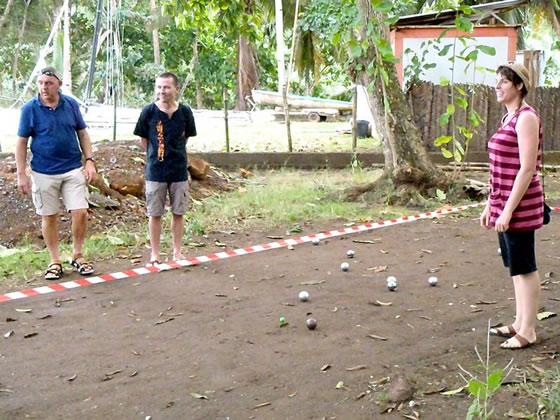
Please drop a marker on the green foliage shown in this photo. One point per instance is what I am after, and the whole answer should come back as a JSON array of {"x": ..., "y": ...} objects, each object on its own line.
[
  {"x": 552, "y": 68},
  {"x": 441, "y": 196},
  {"x": 546, "y": 390},
  {"x": 458, "y": 49},
  {"x": 482, "y": 390},
  {"x": 320, "y": 51}
]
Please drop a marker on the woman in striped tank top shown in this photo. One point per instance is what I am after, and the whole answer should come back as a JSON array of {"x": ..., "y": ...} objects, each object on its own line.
[{"x": 515, "y": 204}]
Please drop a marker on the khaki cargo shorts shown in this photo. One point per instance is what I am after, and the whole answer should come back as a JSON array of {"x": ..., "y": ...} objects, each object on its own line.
[
  {"x": 48, "y": 189},
  {"x": 156, "y": 195}
]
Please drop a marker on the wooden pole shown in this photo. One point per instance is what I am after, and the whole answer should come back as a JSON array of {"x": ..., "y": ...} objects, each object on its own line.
[
  {"x": 279, "y": 17},
  {"x": 293, "y": 49},
  {"x": 286, "y": 86},
  {"x": 226, "y": 119},
  {"x": 114, "y": 111},
  {"x": 354, "y": 118},
  {"x": 287, "y": 117},
  {"x": 93, "y": 50}
]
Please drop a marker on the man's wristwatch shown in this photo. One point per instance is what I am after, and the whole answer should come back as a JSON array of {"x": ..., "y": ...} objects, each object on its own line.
[{"x": 90, "y": 158}]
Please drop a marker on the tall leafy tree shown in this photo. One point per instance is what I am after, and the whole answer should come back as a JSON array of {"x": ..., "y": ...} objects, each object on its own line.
[
  {"x": 409, "y": 172},
  {"x": 6, "y": 11},
  {"x": 18, "y": 46},
  {"x": 236, "y": 20}
]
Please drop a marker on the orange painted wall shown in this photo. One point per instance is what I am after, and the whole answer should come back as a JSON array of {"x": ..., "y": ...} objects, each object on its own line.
[{"x": 398, "y": 36}]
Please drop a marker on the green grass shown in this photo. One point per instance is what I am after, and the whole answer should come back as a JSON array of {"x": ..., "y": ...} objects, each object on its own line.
[
  {"x": 547, "y": 394},
  {"x": 30, "y": 260},
  {"x": 285, "y": 197},
  {"x": 281, "y": 198},
  {"x": 552, "y": 195}
]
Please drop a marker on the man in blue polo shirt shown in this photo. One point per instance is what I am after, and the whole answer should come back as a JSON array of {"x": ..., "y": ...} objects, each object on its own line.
[
  {"x": 52, "y": 120},
  {"x": 164, "y": 128}
]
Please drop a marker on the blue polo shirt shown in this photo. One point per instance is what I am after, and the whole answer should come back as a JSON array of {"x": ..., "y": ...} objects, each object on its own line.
[{"x": 54, "y": 144}]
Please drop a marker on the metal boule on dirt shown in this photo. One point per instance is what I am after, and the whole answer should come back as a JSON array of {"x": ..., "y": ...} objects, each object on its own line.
[
  {"x": 303, "y": 296},
  {"x": 315, "y": 241},
  {"x": 311, "y": 323},
  {"x": 345, "y": 266},
  {"x": 350, "y": 253},
  {"x": 432, "y": 281},
  {"x": 391, "y": 279}
]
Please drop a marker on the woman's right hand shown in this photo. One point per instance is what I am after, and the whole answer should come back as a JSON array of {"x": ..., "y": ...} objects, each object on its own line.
[{"x": 485, "y": 217}]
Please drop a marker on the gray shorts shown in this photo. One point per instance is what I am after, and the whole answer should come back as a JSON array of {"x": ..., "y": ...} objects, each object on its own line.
[
  {"x": 156, "y": 195},
  {"x": 47, "y": 190}
]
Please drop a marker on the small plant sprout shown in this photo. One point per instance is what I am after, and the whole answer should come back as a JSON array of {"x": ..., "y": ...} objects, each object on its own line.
[{"x": 482, "y": 390}]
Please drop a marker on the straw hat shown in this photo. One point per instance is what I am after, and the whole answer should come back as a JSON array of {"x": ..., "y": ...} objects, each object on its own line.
[{"x": 521, "y": 71}]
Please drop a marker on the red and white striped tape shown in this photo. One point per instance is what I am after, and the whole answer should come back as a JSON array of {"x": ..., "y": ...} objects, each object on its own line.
[{"x": 227, "y": 254}]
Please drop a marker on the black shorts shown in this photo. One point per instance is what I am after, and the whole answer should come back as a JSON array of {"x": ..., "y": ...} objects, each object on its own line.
[{"x": 518, "y": 252}]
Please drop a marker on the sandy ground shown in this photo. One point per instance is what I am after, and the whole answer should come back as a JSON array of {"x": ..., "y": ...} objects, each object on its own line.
[{"x": 205, "y": 342}]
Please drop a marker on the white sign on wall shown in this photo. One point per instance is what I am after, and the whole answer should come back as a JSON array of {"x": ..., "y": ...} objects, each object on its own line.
[{"x": 464, "y": 71}]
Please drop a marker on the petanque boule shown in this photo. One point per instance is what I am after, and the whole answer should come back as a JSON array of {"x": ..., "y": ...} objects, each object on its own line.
[
  {"x": 350, "y": 253},
  {"x": 345, "y": 266},
  {"x": 315, "y": 241},
  {"x": 311, "y": 323},
  {"x": 391, "y": 279},
  {"x": 432, "y": 281},
  {"x": 303, "y": 296},
  {"x": 392, "y": 286}
]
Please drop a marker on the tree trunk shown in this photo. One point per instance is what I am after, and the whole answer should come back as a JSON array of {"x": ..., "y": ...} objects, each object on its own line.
[
  {"x": 552, "y": 15},
  {"x": 409, "y": 173},
  {"x": 6, "y": 11},
  {"x": 18, "y": 47},
  {"x": 155, "y": 33},
  {"x": 247, "y": 76},
  {"x": 197, "y": 86},
  {"x": 67, "y": 61}
]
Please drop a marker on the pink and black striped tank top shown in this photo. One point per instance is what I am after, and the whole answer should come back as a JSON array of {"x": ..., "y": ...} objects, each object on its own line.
[{"x": 503, "y": 150}]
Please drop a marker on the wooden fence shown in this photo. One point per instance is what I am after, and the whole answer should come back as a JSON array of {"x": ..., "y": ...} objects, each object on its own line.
[{"x": 429, "y": 101}]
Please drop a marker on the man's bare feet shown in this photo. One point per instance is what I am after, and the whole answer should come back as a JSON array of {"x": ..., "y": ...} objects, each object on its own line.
[{"x": 154, "y": 260}]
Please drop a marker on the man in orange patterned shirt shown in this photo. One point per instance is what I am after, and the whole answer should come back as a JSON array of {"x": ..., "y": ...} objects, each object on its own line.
[{"x": 164, "y": 128}]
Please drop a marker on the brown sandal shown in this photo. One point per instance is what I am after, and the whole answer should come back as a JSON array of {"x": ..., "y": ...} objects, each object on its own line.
[
  {"x": 523, "y": 343},
  {"x": 498, "y": 331},
  {"x": 54, "y": 271},
  {"x": 84, "y": 268}
]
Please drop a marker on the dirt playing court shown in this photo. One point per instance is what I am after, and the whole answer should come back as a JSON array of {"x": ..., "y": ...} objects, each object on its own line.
[{"x": 205, "y": 342}]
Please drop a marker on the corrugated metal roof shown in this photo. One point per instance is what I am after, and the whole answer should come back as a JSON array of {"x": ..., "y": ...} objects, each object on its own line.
[{"x": 447, "y": 16}]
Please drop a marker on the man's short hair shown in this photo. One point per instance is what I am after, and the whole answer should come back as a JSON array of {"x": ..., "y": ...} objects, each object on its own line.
[
  {"x": 168, "y": 74},
  {"x": 50, "y": 71}
]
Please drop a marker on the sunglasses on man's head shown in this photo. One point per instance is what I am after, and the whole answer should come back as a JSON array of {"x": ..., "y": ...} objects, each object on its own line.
[{"x": 49, "y": 73}]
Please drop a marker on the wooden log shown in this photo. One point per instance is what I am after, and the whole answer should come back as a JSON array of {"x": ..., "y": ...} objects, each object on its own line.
[
  {"x": 556, "y": 120},
  {"x": 198, "y": 167}
]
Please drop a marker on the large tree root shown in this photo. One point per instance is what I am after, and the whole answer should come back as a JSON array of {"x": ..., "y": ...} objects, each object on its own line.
[{"x": 410, "y": 188}]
